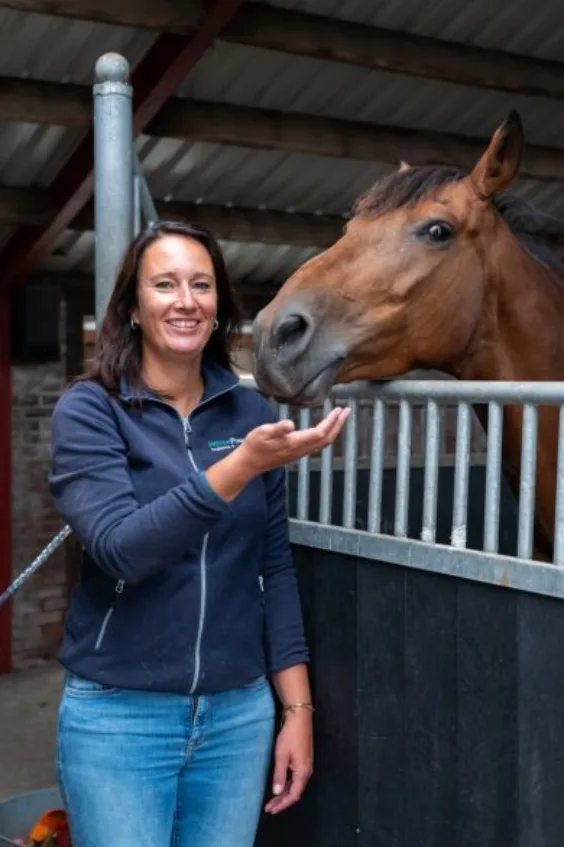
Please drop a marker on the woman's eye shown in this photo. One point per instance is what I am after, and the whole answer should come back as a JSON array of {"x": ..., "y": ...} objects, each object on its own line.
[{"x": 163, "y": 283}]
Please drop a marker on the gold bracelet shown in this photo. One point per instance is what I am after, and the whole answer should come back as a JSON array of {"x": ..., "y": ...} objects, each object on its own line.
[{"x": 291, "y": 706}]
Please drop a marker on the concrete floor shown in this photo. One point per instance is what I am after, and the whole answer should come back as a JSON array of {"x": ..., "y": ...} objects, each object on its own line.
[{"x": 29, "y": 702}]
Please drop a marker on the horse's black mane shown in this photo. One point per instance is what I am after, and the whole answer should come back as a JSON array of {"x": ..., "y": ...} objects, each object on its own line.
[{"x": 409, "y": 186}]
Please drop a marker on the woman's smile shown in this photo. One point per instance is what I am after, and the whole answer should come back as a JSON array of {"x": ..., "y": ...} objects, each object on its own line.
[{"x": 184, "y": 325}]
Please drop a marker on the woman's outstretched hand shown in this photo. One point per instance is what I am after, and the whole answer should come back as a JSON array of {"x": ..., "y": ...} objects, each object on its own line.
[{"x": 271, "y": 446}]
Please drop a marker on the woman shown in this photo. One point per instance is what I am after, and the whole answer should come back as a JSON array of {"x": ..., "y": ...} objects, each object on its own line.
[{"x": 171, "y": 475}]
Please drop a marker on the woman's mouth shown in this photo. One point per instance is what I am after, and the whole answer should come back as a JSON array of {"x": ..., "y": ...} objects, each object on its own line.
[{"x": 184, "y": 325}]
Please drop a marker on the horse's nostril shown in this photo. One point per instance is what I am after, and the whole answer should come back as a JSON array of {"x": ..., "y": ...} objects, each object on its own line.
[{"x": 291, "y": 329}]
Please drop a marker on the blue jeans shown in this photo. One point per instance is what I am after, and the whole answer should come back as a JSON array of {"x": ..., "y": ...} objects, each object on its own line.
[{"x": 148, "y": 769}]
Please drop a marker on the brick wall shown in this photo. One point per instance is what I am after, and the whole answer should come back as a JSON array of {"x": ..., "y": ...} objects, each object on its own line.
[{"x": 39, "y": 606}]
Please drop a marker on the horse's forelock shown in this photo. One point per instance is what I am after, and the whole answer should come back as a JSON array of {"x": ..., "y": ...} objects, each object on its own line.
[{"x": 405, "y": 187}]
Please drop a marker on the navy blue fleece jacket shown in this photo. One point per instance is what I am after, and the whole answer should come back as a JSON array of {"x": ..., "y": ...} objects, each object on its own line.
[{"x": 180, "y": 591}]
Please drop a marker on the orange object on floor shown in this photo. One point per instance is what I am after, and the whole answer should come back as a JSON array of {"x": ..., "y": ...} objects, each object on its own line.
[{"x": 51, "y": 830}]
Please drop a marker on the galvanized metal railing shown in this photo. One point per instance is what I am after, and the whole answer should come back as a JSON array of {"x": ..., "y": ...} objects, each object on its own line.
[{"x": 485, "y": 564}]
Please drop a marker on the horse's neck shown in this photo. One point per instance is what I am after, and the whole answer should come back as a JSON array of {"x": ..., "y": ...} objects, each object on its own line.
[
  {"x": 521, "y": 329},
  {"x": 521, "y": 337}
]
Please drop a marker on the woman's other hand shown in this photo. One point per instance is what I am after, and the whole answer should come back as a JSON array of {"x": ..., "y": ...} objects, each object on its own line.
[{"x": 293, "y": 761}]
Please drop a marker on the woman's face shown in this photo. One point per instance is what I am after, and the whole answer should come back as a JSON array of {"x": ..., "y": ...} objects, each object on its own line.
[{"x": 176, "y": 297}]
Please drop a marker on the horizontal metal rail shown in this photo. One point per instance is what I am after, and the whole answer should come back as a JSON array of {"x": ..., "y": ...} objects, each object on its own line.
[
  {"x": 489, "y": 568},
  {"x": 537, "y": 393}
]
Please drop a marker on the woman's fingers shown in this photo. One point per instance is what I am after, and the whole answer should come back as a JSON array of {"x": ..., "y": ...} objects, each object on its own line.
[
  {"x": 315, "y": 438},
  {"x": 280, "y": 442}
]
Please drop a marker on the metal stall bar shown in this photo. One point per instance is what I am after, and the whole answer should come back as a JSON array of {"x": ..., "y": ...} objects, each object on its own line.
[
  {"x": 559, "y": 505},
  {"x": 493, "y": 477},
  {"x": 303, "y": 472},
  {"x": 431, "y": 477},
  {"x": 376, "y": 465},
  {"x": 350, "y": 470},
  {"x": 137, "y": 214},
  {"x": 326, "y": 477},
  {"x": 527, "y": 484},
  {"x": 113, "y": 173},
  {"x": 403, "y": 468},
  {"x": 146, "y": 203},
  {"x": 461, "y": 475}
]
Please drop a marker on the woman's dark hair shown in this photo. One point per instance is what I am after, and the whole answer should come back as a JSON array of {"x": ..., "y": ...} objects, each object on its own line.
[{"x": 118, "y": 349}]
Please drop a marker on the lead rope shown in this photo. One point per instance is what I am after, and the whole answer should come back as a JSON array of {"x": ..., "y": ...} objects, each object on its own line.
[{"x": 35, "y": 565}]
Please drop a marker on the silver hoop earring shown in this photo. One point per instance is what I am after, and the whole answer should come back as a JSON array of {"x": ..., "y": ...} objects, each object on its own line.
[
  {"x": 133, "y": 324},
  {"x": 215, "y": 324}
]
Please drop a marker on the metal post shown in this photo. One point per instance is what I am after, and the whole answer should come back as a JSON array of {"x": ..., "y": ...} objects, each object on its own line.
[
  {"x": 113, "y": 173},
  {"x": 5, "y": 481}
]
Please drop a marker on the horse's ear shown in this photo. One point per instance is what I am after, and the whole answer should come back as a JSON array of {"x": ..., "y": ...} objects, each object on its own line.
[{"x": 500, "y": 163}]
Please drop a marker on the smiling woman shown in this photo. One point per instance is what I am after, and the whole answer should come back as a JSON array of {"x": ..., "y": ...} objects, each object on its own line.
[
  {"x": 176, "y": 310},
  {"x": 171, "y": 475},
  {"x": 172, "y": 304}
]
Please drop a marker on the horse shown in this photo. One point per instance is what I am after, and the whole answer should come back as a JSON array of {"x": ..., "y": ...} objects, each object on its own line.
[{"x": 434, "y": 270}]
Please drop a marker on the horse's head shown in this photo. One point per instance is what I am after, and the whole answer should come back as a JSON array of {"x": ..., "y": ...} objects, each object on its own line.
[{"x": 402, "y": 288}]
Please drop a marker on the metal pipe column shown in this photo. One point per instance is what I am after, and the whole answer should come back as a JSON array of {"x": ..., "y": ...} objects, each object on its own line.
[
  {"x": 5, "y": 481},
  {"x": 113, "y": 172}
]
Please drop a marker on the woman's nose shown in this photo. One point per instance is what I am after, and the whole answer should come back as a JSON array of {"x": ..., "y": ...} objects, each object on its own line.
[{"x": 186, "y": 297}]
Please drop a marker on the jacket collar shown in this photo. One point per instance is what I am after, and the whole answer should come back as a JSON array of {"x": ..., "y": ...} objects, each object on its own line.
[{"x": 217, "y": 380}]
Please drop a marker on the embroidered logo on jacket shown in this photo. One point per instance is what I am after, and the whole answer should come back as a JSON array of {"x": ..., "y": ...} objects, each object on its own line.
[{"x": 224, "y": 444}]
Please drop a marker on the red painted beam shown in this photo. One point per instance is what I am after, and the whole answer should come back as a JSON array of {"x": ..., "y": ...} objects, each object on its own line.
[
  {"x": 155, "y": 79},
  {"x": 5, "y": 483}
]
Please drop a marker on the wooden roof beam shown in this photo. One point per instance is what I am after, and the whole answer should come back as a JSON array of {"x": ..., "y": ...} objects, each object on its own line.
[
  {"x": 35, "y": 207},
  {"x": 60, "y": 104},
  {"x": 320, "y": 37}
]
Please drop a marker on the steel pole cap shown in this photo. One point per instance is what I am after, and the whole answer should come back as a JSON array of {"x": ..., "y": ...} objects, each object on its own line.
[{"x": 112, "y": 67}]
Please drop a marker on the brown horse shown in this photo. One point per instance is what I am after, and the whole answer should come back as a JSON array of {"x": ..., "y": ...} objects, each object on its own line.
[{"x": 433, "y": 270}]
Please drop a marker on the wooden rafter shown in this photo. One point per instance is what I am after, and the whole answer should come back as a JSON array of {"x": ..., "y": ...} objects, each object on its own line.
[
  {"x": 60, "y": 104},
  {"x": 35, "y": 207},
  {"x": 320, "y": 37}
]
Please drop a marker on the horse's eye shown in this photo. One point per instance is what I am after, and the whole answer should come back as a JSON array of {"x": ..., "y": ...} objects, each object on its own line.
[{"x": 438, "y": 232}]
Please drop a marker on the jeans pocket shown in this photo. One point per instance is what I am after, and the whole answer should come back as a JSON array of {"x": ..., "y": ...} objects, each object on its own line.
[{"x": 77, "y": 686}]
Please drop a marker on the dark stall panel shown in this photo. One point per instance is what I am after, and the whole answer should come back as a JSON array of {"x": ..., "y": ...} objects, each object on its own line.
[{"x": 440, "y": 703}]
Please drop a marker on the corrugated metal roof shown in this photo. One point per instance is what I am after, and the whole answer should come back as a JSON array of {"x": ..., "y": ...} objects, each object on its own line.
[
  {"x": 62, "y": 50},
  {"x": 56, "y": 49},
  {"x": 242, "y": 75},
  {"x": 247, "y": 263},
  {"x": 210, "y": 173},
  {"x": 32, "y": 154},
  {"x": 520, "y": 26}
]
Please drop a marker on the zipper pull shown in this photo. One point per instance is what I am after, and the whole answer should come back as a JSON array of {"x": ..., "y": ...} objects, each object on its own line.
[{"x": 187, "y": 431}]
